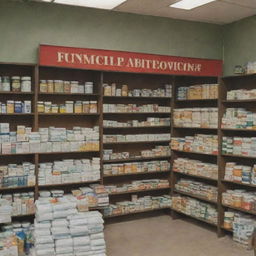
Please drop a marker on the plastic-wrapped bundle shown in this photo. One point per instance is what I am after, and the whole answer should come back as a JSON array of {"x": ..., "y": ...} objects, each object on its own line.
[{"x": 61, "y": 230}]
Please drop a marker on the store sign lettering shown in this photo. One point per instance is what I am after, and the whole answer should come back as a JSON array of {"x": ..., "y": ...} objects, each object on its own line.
[{"x": 126, "y": 61}]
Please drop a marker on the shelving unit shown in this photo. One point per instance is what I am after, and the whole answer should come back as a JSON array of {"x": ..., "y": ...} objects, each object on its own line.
[
  {"x": 178, "y": 131},
  {"x": 36, "y": 120},
  {"x": 135, "y": 81},
  {"x": 227, "y": 84}
]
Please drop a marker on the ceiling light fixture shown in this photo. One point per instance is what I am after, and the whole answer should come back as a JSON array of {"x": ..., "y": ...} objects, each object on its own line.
[
  {"x": 101, "y": 4},
  {"x": 190, "y": 4}
]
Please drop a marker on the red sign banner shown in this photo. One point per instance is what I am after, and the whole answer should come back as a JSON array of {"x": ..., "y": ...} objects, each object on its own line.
[{"x": 106, "y": 60}]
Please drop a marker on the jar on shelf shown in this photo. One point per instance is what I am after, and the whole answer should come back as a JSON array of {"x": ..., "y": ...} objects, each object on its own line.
[
  {"x": 10, "y": 106},
  {"x": 47, "y": 106},
  {"x": 88, "y": 88},
  {"x": 67, "y": 87},
  {"x": 69, "y": 106},
  {"x": 16, "y": 84},
  {"x": 124, "y": 90},
  {"x": 58, "y": 86},
  {"x": 6, "y": 84},
  {"x": 40, "y": 107},
  {"x": 63, "y": 108},
  {"x": 86, "y": 106},
  {"x": 106, "y": 90},
  {"x": 50, "y": 86},
  {"x": 43, "y": 86},
  {"x": 26, "y": 84},
  {"x": 74, "y": 86},
  {"x": 93, "y": 107},
  {"x": 18, "y": 107},
  {"x": 78, "y": 107},
  {"x": 55, "y": 108}
]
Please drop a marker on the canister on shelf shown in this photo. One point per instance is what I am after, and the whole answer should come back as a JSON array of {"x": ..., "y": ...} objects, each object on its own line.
[
  {"x": 6, "y": 84},
  {"x": 78, "y": 107},
  {"x": 10, "y": 106},
  {"x": 107, "y": 90},
  {"x": 81, "y": 89},
  {"x": 62, "y": 108},
  {"x": 26, "y": 84},
  {"x": 93, "y": 107},
  {"x": 40, "y": 107},
  {"x": 58, "y": 86},
  {"x": 74, "y": 86},
  {"x": 47, "y": 107},
  {"x": 67, "y": 87},
  {"x": 86, "y": 107},
  {"x": 16, "y": 85},
  {"x": 69, "y": 106},
  {"x": 27, "y": 106},
  {"x": 50, "y": 86},
  {"x": 88, "y": 88},
  {"x": 18, "y": 107},
  {"x": 43, "y": 86},
  {"x": 124, "y": 90},
  {"x": 55, "y": 108}
]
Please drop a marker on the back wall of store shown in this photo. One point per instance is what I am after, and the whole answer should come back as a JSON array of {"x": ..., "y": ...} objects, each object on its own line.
[{"x": 23, "y": 26}]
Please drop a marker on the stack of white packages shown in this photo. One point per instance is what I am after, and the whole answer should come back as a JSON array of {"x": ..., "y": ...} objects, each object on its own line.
[{"x": 61, "y": 230}]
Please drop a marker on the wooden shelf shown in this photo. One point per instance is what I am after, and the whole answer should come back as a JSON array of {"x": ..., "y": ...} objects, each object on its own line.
[
  {"x": 137, "y": 173},
  {"x": 198, "y": 100},
  {"x": 238, "y": 129},
  {"x": 191, "y": 152},
  {"x": 239, "y": 156},
  {"x": 138, "y": 191},
  {"x": 200, "y": 219},
  {"x": 16, "y": 188},
  {"x": 49, "y": 153},
  {"x": 137, "y": 97},
  {"x": 195, "y": 196},
  {"x": 137, "y": 127},
  {"x": 239, "y": 183},
  {"x": 17, "y": 114},
  {"x": 68, "y": 114},
  {"x": 135, "y": 159},
  {"x": 17, "y": 93},
  {"x": 196, "y": 176},
  {"x": 240, "y": 209},
  {"x": 135, "y": 212},
  {"x": 136, "y": 113},
  {"x": 68, "y": 152},
  {"x": 194, "y": 128},
  {"x": 240, "y": 101},
  {"x": 137, "y": 142},
  {"x": 69, "y": 94},
  {"x": 68, "y": 184}
]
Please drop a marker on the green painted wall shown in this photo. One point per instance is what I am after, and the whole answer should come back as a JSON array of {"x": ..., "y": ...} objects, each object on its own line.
[
  {"x": 24, "y": 26},
  {"x": 239, "y": 43}
]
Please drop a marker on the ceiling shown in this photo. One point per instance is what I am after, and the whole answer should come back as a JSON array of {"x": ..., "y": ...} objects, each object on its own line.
[{"x": 218, "y": 12}]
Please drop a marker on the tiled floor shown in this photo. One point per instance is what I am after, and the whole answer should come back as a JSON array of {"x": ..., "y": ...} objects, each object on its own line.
[{"x": 162, "y": 236}]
